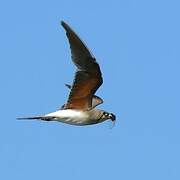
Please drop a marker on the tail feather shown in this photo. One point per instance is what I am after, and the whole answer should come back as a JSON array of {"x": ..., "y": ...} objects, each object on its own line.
[
  {"x": 35, "y": 117},
  {"x": 45, "y": 118}
]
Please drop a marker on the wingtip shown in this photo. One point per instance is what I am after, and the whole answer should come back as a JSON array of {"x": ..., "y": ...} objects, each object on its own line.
[
  {"x": 68, "y": 86},
  {"x": 63, "y": 23}
]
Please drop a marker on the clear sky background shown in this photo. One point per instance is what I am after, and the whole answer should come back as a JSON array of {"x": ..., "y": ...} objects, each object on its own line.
[{"x": 137, "y": 44}]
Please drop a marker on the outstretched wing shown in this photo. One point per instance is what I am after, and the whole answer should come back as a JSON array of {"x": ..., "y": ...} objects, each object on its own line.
[{"x": 88, "y": 77}]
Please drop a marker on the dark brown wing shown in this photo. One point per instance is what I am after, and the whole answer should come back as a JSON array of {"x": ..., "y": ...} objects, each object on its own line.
[
  {"x": 88, "y": 77},
  {"x": 96, "y": 100}
]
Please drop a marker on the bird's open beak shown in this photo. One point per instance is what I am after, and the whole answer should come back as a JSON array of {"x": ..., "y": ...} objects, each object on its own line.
[{"x": 112, "y": 116}]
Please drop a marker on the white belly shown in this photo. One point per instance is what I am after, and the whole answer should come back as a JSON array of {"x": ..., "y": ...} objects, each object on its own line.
[{"x": 69, "y": 116}]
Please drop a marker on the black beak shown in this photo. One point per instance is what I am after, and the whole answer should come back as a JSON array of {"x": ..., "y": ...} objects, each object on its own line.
[{"x": 112, "y": 116}]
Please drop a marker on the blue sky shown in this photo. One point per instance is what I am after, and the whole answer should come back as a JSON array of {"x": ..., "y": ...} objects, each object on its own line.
[{"x": 137, "y": 46}]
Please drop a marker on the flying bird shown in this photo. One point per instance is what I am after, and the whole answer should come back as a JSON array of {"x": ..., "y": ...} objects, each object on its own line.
[{"x": 80, "y": 108}]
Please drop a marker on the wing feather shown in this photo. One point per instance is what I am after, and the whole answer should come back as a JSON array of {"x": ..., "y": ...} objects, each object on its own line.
[{"x": 88, "y": 77}]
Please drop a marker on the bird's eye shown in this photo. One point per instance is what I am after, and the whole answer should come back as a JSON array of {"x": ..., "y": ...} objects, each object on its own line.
[{"x": 105, "y": 114}]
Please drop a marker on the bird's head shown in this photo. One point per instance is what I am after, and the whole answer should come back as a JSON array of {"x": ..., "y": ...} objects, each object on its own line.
[{"x": 107, "y": 115}]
